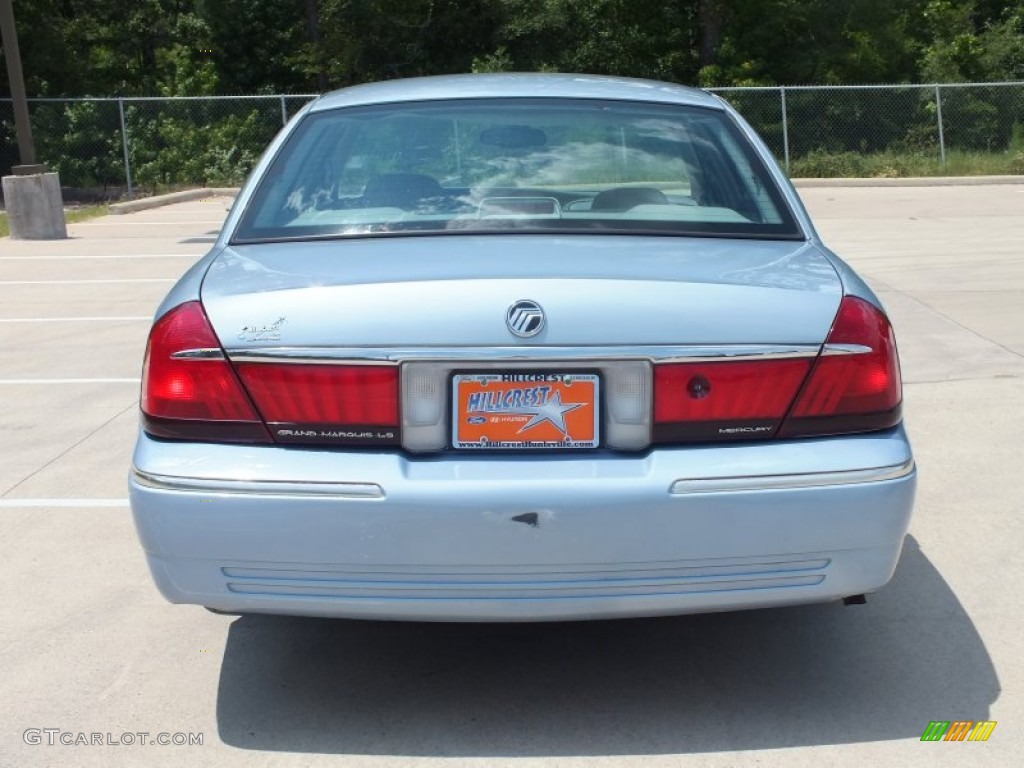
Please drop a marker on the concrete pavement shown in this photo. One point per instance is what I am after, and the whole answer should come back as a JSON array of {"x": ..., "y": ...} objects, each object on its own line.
[{"x": 88, "y": 646}]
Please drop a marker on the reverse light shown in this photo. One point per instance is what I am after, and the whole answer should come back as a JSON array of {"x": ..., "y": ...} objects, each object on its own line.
[{"x": 424, "y": 398}]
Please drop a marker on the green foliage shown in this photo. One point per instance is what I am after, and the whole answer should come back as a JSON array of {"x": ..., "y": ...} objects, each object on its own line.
[
  {"x": 974, "y": 41},
  {"x": 1017, "y": 137},
  {"x": 816, "y": 41},
  {"x": 820, "y": 164},
  {"x": 254, "y": 45},
  {"x": 188, "y": 143},
  {"x": 363, "y": 40},
  {"x": 201, "y": 47},
  {"x": 639, "y": 38},
  {"x": 184, "y": 47},
  {"x": 498, "y": 61},
  {"x": 882, "y": 165},
  {"x": 81, "y": 141}
]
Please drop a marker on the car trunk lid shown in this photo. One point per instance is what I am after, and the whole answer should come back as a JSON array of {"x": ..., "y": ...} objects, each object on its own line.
[
  {"x": 455, "y": 291},
  {"x": 411, "y": 341}
]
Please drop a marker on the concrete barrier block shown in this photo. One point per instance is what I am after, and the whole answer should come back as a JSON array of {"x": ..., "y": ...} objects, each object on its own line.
[{"x": 35, "y": 210}]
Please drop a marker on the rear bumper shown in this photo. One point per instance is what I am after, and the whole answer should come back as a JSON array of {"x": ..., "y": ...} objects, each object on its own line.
[{"x": 387, "y": 536}]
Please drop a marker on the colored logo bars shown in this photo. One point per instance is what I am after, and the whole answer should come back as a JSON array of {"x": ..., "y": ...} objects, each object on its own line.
[{"x": 958, "y": 730}]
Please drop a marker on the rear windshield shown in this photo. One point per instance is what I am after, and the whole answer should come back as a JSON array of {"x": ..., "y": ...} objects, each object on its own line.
[{"x": 531, "y": 165}]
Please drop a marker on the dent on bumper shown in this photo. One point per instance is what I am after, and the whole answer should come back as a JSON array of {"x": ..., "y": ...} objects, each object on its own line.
[{"x": 522, "y": 538}]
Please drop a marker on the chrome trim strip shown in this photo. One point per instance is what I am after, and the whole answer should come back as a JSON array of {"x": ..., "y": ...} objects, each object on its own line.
[
  {"x": 396, "y": 355},
  {"x": 778, "y": 482},
  {"x": 258, "y": 487},
  {"x": 845, "y": 349},
  {"x": 209, "y": 353}
]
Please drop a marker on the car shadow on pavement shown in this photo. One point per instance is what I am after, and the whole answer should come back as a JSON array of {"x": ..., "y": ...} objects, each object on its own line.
[{"x": 810, "y": 675}]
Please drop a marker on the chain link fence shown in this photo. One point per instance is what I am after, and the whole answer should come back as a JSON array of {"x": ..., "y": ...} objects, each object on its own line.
[
  {"x": 123, "y": 146},
  {"x": 890, "y": 130}
]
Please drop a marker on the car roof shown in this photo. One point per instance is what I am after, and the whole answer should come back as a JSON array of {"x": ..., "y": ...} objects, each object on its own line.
[{"x": 516, "y": 85}]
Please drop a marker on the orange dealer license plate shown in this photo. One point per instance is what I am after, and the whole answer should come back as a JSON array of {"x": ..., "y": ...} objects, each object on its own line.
[{"x": 531, "y": 409}]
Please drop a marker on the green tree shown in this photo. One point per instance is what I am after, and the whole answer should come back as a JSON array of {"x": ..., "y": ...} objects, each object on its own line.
[
  {"x": 639, "y": 38},
  {"x": 362, "y": 40},
  {"x": 794, "y": 42},
  {"x": 255, "y": 45},
  {"x": 974, "y": 41}
]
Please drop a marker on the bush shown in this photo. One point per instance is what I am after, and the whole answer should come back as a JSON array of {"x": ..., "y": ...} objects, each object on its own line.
[
  {"x": 80, "y": 140},
  {"x": 198, "y": 142},
  {"x": 891, "y": 165},
  {"x": 819, "y": 164}
]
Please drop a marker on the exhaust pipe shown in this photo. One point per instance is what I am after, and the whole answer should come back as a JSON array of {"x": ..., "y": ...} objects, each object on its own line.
[{"x": 855, "y": 600}]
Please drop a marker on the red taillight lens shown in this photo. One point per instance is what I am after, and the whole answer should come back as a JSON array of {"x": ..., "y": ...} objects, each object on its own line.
[
  {"x": 724, "y": 400},
  {"x": 189, "y": 389},
  {"x": 352, "y": 395},
  {"x": 855, "y": 385}
]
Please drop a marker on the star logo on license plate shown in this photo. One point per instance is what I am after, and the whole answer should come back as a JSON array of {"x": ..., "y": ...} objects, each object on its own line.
[{"x": 552, "y": 411}]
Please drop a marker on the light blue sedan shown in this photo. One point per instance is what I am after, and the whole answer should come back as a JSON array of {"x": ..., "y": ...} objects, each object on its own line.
[{"x": 519, "y": 348}]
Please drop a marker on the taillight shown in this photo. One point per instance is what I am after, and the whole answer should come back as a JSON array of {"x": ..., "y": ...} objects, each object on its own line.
[
  {"x": 724, "y": 400},
  {"x": 355, "y": 404},
  {"x": 855, "y": 384},
  {"x": 189, "y": 390}
]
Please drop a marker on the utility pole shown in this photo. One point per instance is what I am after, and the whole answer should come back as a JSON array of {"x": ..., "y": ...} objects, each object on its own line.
[
  {"x": 21, "y": 124},
  {"x": 35, "y": 209}
]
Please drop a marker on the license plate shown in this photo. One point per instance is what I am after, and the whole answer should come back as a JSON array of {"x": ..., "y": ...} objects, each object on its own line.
[{"x": 520, "y": 411}]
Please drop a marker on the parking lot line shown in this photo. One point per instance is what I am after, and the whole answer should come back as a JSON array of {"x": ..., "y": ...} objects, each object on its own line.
[
  {"x": 91, "y": 256},
  {"x": 32, "y": 503},
  {"x": 185, "y": 220},
  {"x": 70, "y": 381},
  {"x": 118, "y": 319},
  {"x": 90, "y": 282}
]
